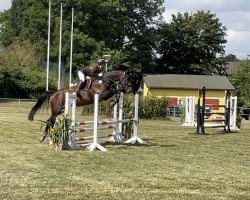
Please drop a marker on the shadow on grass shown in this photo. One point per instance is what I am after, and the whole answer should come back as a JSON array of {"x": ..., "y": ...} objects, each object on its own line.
[
  {"x": 215, "y": 133},
  {"x": 148, "y": 144}
]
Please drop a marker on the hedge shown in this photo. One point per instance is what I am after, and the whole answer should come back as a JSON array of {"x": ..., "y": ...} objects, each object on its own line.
[{"x": 149, "y": 107}]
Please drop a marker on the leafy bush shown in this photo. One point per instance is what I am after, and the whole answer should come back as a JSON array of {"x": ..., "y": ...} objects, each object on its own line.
[
  {"x": 20, "y": 75},
  {"x": 153, "y": 107},
  {"x": 60, "y": 133},
  {"x": 149, "y": 107}
]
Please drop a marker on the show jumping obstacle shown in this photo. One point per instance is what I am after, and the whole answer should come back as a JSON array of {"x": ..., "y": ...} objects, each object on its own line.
[
  {"x": 224, "y": 122},
  {"x": 191, "y": 115},
  {"x": 75, "y": 141}
]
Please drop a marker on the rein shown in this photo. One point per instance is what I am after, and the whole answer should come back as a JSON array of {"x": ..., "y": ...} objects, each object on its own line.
[{"x": 116, "y": 82}]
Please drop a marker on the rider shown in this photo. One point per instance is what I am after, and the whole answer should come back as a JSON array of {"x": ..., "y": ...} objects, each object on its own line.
[{"x": 88, "y": 72}]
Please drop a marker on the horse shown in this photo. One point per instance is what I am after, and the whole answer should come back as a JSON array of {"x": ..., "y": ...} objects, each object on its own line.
[{"x": 109, "y": 85}]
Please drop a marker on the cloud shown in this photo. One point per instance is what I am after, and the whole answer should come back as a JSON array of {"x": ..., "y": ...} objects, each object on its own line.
[
  {"x": 5, "y": 5},
  {"x": 237, "y": 43},
  {"x": 237, "y": 36},
  {"x": 238, "y": 20},
  {"x": 233, "y": 14},
  {"x": 215, "y": 5},
  {"x": 168, "y": 14}
]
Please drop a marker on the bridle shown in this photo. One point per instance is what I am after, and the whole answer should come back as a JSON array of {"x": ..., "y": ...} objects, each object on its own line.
[
  {"x": 118, "y": 81},
  {"x": 125, "y": 75}
]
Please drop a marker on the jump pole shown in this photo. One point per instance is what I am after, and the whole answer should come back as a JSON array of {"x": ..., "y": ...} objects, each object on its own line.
[
  {"x": 48, "y": 49},
  {"x": 71, "y": 47},
  {"x": 60, "y": 50}
]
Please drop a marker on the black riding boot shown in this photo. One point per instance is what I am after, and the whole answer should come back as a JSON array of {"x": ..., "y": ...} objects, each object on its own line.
[{"x": 80, "y": 87}]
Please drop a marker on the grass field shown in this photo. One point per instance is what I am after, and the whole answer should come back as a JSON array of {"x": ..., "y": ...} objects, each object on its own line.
[{"x": 175, "y": 164}]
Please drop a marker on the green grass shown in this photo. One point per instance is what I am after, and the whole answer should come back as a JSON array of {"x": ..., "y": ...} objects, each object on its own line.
[{"x": 175, "y": 164}]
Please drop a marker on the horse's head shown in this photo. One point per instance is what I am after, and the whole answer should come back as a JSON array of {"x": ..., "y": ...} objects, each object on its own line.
[
  {"x": 126, "y": 83},
  {"x": 129, "y": 81},
  {"x": 134, "y": 79}
]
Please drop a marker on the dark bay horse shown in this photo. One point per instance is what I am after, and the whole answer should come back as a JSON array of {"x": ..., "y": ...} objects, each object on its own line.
[{"x": 109, "y": 85}]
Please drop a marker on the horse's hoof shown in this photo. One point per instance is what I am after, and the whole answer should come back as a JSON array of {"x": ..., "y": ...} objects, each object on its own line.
[{"x": 42, "y": 138}]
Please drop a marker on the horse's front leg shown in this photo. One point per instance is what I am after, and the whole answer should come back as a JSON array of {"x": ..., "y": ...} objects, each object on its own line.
[
  {"x": 104, "y": 96},
  {"x": 116, "y": 99}
]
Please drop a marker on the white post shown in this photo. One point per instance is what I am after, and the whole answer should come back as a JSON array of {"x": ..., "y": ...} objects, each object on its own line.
[
  {"x": 233, "y": 113},
  {"x": 136, "y": 121},
  {"x": 189, "y": 111},
  {"x": 70, "y": 103},
  {"x": 48, "y": 49},
  {"x": 73, "y": 110},
  {"x": 120, "y": 117},
  {"x": 66, "y": 110},
  {"x": 135, "y": 138},
  {"x": 96, "y": 109},
  {"x": 115, "y": 119},
  {"x": 115, "y": 128},
  {"x": 60, "y": 51},
  {"x": 117, "y": 131},
  {"x": 95, "y": 144},
  {"x": 71, "y": 48}
]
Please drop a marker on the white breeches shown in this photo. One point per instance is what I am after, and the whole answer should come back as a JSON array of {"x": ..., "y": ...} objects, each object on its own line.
[{"x": 81, "y": 76}]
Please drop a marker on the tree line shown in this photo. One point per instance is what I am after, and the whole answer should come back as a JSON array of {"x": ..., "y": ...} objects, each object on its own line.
[{"x": 134, "y": 33}]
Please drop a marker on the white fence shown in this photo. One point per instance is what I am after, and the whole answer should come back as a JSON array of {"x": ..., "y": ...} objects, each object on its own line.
[{"x": 19, "y": 105}]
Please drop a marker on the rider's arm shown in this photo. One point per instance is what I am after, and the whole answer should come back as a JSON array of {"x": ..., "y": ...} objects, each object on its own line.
[
  {"x": 96, "y": 72},
  {"x": 87, "y": 71}
]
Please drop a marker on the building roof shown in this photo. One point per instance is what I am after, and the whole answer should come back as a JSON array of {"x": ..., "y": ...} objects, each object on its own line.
[{"x": 185, "y": 81}]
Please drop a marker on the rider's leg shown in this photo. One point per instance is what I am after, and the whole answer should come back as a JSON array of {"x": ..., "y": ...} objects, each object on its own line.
[
  {"x": 80, "y": 86},
  {"x": 88, "y": 82},
  {"x": 82, "y": 83}
]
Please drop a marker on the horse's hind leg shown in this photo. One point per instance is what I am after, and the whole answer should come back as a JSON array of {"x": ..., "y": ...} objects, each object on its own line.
[{"x": 49, "y": 124}]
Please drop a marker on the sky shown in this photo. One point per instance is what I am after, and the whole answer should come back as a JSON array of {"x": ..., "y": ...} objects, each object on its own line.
[{"x": 233, "y": 14}]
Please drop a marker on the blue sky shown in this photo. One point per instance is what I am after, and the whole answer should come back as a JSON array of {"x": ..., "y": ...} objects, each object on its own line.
[{"x": 233, "y": 14}]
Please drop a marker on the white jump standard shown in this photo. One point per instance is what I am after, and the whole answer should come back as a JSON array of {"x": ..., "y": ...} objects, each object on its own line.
[
  {"x": 115, "y": 124},
  {"x": 135, "y": 138}
]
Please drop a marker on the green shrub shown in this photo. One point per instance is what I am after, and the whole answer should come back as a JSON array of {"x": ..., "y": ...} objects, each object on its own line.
[
  {"x": 149, "y": 107},
  {"x": 60, "y": 133}
]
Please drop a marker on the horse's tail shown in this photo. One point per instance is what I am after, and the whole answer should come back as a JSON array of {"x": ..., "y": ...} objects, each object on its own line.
[{"x": 44, "y": 98}]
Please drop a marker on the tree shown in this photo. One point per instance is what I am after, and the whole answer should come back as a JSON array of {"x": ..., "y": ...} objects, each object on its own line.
[
  {"x": 190, "y": 44},
  {"x": 241, "y": 81},
  {"x": 231, "y": 58},
  {"x": 100, "y": 27},
  {"x": 19, "y": 74}
]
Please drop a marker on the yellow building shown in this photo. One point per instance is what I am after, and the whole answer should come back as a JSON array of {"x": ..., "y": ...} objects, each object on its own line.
[{"x": 178, "y": 86}]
